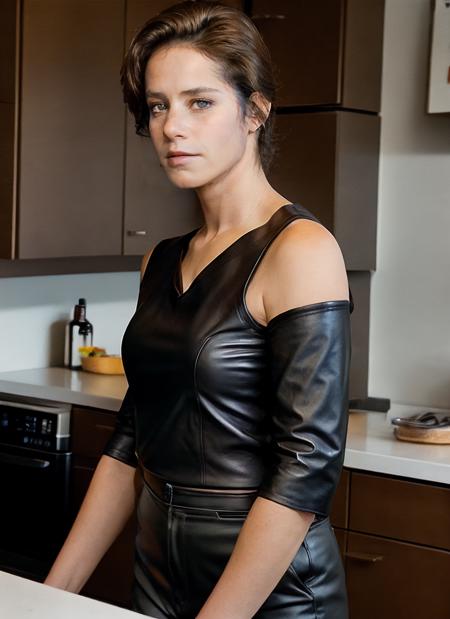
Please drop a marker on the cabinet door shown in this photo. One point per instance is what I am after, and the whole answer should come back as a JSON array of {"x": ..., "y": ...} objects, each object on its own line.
[
  {"x": 305, "y": 41},
  {"x": 379, "y": 504},
  {"x": 328, "y": 161},
  {"x": 396, "y": 580},
  {"x": 325, "y": 53},
  {"x": 8, "y": 112},
  {"x": 72, "y": 129}
]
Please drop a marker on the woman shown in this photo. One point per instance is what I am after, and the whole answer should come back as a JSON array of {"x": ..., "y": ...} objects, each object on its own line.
[{"x": 237, "y": 356}]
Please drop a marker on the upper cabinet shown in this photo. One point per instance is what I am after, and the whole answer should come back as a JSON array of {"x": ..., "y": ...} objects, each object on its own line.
[
  {"x": 76, "y": 182},
  {"x": 75, "y": 179},
  {"x": 71, "y": 129},
  {"x": 326, "y": 53},
  {"x": 8, "y": 128},
  {"x": 328, "y": 161},
  {"x": 328, "y": 63}
]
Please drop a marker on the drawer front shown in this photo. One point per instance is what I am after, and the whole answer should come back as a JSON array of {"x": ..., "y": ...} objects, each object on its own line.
[
  {"x": 404, "y": 510},
  {"x": 90, "y": 430},
  {"x": 396, "y": 580}
]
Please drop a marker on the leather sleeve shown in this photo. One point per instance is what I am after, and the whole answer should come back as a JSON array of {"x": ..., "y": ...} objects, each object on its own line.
[
  {"x": 121, "y": 444},
  {"x": 309, "y": 351}
]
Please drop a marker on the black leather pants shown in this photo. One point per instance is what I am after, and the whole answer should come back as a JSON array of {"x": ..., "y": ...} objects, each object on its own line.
[{"x": 183, "y": 543}]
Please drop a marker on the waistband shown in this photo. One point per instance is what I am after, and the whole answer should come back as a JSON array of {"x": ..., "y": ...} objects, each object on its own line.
[{"x": 207, "y": 498}]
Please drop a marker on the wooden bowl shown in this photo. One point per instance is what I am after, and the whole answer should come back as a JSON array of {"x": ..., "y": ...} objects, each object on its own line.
[
  {"x": 104, "y": 364},
  {"x": 438, "y": 436}
]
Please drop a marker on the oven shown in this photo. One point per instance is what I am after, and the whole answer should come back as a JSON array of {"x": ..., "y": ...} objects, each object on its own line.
[{"x": 35, "y": 463}]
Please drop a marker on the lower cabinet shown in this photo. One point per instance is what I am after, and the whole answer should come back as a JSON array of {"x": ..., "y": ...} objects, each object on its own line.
[
  {"x": 394, "y": 536},
  {"x": 387, "y": 578}
]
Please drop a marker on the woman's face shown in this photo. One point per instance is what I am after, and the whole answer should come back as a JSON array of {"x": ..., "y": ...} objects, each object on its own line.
[{"x": 192, "y": 110}]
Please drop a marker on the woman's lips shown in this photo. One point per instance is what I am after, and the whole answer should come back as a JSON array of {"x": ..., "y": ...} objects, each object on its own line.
[{"x": 176, "y": 160}]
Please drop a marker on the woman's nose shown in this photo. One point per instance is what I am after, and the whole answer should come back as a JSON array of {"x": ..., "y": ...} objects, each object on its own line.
[{"x": 174, "y": 123}]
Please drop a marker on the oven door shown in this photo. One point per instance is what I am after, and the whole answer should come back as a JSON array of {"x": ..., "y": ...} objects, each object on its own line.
[{"x": 34, "y": 508}]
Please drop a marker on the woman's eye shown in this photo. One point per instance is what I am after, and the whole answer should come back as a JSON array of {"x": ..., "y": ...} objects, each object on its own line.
[
  {"x": 203, "y": 104},
  {"x": 156, "y": 108},
  {"x": 153, "y": 107}
]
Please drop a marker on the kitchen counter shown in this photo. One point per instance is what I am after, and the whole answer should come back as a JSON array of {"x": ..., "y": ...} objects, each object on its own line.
[
  {"x": 63, "y": 385},
  {"x": 371, "y": 444},
  {"x": 26, "y": 599}
]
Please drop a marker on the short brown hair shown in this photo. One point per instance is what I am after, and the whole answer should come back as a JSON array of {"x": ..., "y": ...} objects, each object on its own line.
[{"x": 223, "y": 34}]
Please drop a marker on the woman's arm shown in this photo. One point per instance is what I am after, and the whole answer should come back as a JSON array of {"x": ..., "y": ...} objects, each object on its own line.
[
  {"x": 268, "y": 541},
  {"x": 309, "y": 354},
  {"x": 107, "y": 507},
  {"x": 108, "y": 504}
]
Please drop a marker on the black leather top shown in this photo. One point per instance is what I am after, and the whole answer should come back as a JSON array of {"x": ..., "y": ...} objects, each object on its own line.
[{"x": 217, "y": 400}]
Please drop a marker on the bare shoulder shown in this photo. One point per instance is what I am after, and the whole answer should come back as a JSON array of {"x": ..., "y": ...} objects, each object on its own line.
[
  {"x": 304, "y": 265},
  {"x": 145, "y": 260}
]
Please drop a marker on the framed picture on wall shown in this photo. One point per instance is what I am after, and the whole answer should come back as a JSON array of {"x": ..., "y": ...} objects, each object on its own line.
[{"x": 439, "y": 75}]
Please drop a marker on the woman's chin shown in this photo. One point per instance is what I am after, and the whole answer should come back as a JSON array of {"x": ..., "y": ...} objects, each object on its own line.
[{"x": 185, "y": 181}]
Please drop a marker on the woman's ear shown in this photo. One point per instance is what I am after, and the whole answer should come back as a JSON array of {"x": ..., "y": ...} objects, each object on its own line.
[{"x": 259, "y": 110}]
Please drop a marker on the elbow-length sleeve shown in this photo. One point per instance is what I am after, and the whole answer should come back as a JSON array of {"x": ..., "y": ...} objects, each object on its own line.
[
  {"x": 309, "y": 351},
  {"x": 122, "y": 444}
]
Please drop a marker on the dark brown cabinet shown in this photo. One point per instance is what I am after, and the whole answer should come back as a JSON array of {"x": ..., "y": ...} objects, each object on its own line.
[
  {"x": 328, "y": 161},
  {"x": 79, "y": 183},
  {"x": 397, "y": 546},
  {"x": 64, "y": 128},
  {"x": 326, "y": 53},
  {"x": 395, "y": 580},
  {"x": 9, "y": 40},
  {"x": 76, "y": 180},
  {"x": 71, "y": 129}
]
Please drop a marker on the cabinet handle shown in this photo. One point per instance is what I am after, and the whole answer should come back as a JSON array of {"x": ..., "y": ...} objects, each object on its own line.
[
  {"x": 363, "y": 556},
  {"x": 136, "y": 232},
  {"x": 266, "y": 16}
]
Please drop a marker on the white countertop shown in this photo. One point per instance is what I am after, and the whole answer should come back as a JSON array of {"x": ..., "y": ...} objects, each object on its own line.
[
  {"x": 63, "y": 385},
  {"x": 21, "y": 598},
  {"x": 371, "y": 444}
]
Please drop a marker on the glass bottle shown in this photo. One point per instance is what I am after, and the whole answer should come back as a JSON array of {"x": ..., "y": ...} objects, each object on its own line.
[{"x": 79, "y": 333}]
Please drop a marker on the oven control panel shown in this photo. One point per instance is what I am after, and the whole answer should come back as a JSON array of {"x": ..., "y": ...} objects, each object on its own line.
[{"x": 35, "y": 425}]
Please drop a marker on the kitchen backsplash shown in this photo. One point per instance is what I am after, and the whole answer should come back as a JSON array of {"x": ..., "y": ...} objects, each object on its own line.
[{"x": 34, "y": 311}]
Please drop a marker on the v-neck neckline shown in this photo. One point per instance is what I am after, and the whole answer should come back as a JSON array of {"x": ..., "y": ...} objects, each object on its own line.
[{"x": 184, "y": 246}]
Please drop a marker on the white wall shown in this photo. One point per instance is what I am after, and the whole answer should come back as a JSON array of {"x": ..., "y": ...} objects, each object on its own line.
[
  {"x": 410, "y": 290},
  {"x": 34, "y": 310}
]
